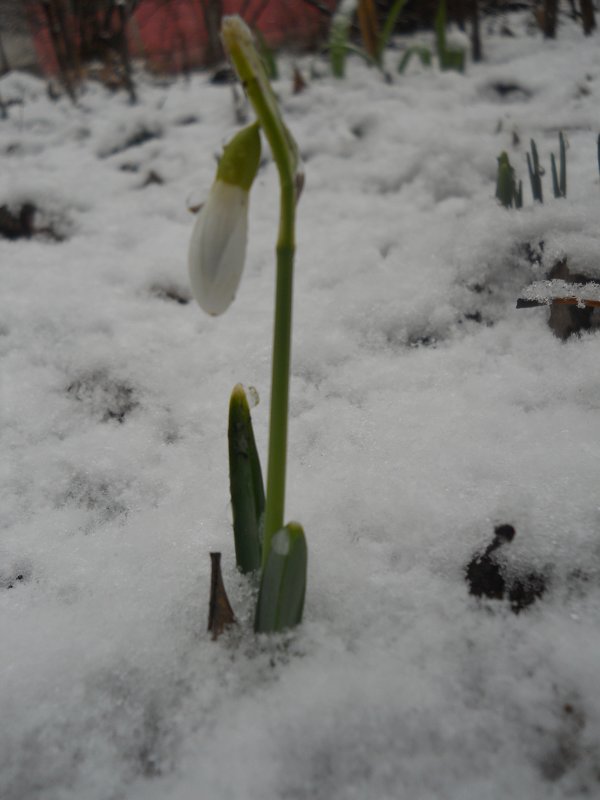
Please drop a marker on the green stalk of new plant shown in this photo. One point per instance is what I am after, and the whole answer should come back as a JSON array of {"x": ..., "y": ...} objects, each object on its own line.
[
  {"x": 505, "y": 181},
  {"x": 340, "y": 46},
  {"x": 423, "y": 53},
  {"x": 388, "y": 28},
  {"x": 559, "y": 184},
  {"x": 240, "y": 46},
  {"x": 449, "y": 57},
  {"x": 519, "y": 195},
  {"x": 338, "y": 36},
  {"x": 535, "y": 175},
  {"x": 508, "y": 192}
]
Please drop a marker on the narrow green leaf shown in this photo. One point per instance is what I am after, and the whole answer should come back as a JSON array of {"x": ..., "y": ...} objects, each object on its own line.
[
  {"x": 388, "y": 27},
  {"x": 563, "y": 164},
  {"x": 505, "y": 181},
  {"x": 449, "y": 57},
  {"x": 246, "y": 483},
  {"x": 453, "y": 59},
  {"x": 422, "y": 52},
  {"x": 440, "y": 29},
  {"x": 535, "y": 175},
  {"x": 518, "y": 198},
  {"x": 338, "y": 37},
  {"x": 555, "y": 186},
  {"x": 283, "y": 584},
  {"x": 267, "y": 55}
]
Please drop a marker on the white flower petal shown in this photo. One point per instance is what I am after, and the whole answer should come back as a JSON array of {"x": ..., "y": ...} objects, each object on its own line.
[{"x": 218, "y": 247}]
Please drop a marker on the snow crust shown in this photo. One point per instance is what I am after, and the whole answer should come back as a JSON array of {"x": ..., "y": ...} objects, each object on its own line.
[
  {"x": 547, "y": 291},
  {"x": 425, "y": 410}
]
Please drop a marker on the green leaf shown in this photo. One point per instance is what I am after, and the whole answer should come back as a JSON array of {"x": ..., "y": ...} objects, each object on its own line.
[
  {"x": 424, "y": 53},
  {"x": 440, "y": 30},
  {"x": 505, "y": 182},
  {"x": 246, "y": 483},
  {"x": 453, "y": 59},
  {"x": 283, "y": 585},
  {"x": 449, "y": 57},
  {"x": 555, "y": 186},
  {"x": 563, "y": 165},
  {"x": 535, "y": 176},
  {"x": 519, "y": 195},
  {"x": 389, "y": 25},
  {"x": 267, "y": 55},
  {"x": 338, "y": 37}
]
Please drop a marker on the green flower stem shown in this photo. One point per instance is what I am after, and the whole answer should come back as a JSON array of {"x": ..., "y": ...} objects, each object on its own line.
[
  {"x": 280, "y": 385},
  {"x": 239, "y": 44}
]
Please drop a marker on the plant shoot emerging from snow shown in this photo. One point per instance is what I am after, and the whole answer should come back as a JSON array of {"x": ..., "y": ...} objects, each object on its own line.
[{"x": 216, "y": 259}]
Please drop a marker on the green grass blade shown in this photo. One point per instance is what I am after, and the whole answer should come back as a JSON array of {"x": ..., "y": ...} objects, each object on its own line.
[
  {"x": 246, "y": 483},
  {"x": 555, "y": 186},
  {"x": 283, "y": 584},
  {"x": 536, "y": 172},
  {"x": 267, "y": 55},
  {"x": 422, "y": 52},
  {"x": 440, "y": 30},
  {"x": 338, "y": 36},
  {"x": 518, "y": 196},
  {"x": 533, "y": 166},
  {"x": 563, "y": 165},
  {"x": 389, "y": 25},
  {"x": 505, "y": 181}
]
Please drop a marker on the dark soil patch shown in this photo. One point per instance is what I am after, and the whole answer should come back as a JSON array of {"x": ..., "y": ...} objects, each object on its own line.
[
  {"x": 19, "y": 222},
  {"x": 508, "y": 90},
  {"x": 487, "y": 575},
  {"x": 106, "y": 397},
  {"x": 138, "y": 137},
  {"x": 18, "y": 575}
]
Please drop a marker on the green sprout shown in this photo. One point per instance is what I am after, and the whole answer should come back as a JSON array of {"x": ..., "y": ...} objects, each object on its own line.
[
  {"x": 388, "y": 27},
  {"x": 217, "y": 253},
  {"x": 449, "y": 57},
  {"x": 535, "y": 173},
  {"x": 559, "y": 180},
  {"x": 422, "y": 52},
  {"x": 507, "y": 191},
  {"x": 373, "y": 50}
]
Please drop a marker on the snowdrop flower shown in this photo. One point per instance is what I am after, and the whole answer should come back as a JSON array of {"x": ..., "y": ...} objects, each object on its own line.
[{"x": 218, "y": 245}]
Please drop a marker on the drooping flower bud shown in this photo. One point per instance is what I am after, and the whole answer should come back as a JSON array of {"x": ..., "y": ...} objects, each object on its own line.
[{"x": 218, "y": 244}]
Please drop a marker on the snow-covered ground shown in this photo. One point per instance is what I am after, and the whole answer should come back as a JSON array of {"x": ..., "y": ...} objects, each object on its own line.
[{"x": 425, "y": 411}]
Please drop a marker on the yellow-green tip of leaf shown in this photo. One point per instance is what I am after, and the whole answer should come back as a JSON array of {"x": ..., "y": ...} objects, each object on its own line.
[{"x": 239, "y": 163}]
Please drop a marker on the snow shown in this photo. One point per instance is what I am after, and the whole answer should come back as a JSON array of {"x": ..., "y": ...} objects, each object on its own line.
[
  {"x": 425, "y": 410},
  {"x": 547, "y": 291}
]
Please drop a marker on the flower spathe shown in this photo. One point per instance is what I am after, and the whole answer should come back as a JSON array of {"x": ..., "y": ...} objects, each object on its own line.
[
  {"x": 218, "y": 247},
  {"x": 218, "y": 244}
]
